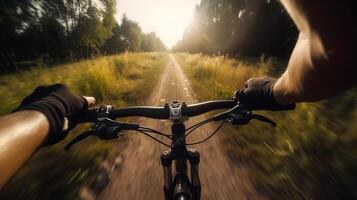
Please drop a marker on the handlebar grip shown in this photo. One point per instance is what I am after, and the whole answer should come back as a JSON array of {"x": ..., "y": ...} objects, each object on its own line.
[
  {"x": 288, "y": 107},
  {"x": 88, "y": 116},
  {"x": 273, "y": 107},
  {"x": 278, "y": 107}
]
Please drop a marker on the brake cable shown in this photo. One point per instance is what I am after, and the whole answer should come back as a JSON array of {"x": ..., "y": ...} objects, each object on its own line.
[
  {"x": 194, "y": 127},
  {"x": 214, "y": 132},
  {"x": 152, "y": 137},
  {"x": 147, "y": 129}
]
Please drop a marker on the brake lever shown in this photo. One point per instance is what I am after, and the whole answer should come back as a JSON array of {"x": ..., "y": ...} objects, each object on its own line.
[
  {"x": 229, "y": 113},
  {"x": 263, "y": 119},
  {"x": 105, "y": 129},
  {"x": 106, "y": 133},
  {"x": 241, "y": 115},
  {"x": 77, "y": 139}
]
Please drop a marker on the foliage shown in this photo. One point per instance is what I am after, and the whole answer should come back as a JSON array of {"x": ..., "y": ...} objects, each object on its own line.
[
  {"x": 119, "y": 80},
  {"x": 62, "y": 30},
  {"x": 239, "y": 27},
  {"x": 311, "y": 154},
  {"x": 132, "y": 33},
  {"x": 151, "y": 42}
]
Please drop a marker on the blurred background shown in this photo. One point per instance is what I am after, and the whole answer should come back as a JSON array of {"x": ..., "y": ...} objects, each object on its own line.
[{"x": 116, "y": 50}]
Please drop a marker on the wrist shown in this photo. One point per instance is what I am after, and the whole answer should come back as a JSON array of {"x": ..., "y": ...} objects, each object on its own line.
[
  {"x": 282, "y": 94},
  {"x": 54, "y": 120},
  {"x": 43, "y": 121}
]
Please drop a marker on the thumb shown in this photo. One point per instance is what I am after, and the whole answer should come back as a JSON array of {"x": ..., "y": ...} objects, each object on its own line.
[{"x": 90, "y": 100}]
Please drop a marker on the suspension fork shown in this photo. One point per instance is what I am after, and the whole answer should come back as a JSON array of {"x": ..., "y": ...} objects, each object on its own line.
[
  {"x": 194, "y": 158},
  {"x": 192, "y": 155},
  {"x": 166, "y": 162},
  {"x": 180, "y": 154},
  {"x": 177, "y": 153}
]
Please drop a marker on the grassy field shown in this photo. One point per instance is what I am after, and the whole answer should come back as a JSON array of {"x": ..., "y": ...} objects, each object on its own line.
[
  {"x": 312, "y": 153},
  {"x": 119, "y": 80}
]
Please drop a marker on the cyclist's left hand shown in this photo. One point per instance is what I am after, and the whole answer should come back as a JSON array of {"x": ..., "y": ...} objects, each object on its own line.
[{"x": 61, "y": 107}]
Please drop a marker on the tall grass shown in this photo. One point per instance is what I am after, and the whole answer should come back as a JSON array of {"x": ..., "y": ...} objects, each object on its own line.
[
  {"x": 312, "y": 153},
  {"x": 119, "y": 80}
]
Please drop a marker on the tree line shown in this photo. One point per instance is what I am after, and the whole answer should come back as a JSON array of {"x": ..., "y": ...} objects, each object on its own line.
[
  {"x": 239, "y": 27},
  {"x": 62, "y": 30}
]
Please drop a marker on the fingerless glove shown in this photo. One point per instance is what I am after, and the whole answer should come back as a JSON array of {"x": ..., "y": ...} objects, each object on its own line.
[
  {"x": 61, "y": 107},
  {"x": 258, "y": 94}
]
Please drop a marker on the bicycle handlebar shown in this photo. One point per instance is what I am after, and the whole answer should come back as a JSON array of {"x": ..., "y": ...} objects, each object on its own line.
[
  {"x": 161, "y": 112},
  {"x": 105, "y": 127}
]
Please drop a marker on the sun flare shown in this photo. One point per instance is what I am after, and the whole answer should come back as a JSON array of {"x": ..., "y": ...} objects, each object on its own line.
[{"x": 167, "y": 18}]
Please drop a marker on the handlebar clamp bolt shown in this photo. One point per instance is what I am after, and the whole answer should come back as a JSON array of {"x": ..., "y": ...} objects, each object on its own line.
[
  {"x": 193, "y": 151},
  {"x": 166, "y": 153}
]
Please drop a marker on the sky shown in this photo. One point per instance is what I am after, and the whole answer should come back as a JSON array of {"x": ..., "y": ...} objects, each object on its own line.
[{"x": 167, "y": 18}]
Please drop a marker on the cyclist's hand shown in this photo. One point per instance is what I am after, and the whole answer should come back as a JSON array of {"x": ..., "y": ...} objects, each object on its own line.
[
  {"x": 258, "y": 95},
  {"x": 61, "y": 107}
]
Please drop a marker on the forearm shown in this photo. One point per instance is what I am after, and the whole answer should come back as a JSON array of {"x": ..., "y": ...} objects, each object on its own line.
[
  {"x": 21, "y": 133},
  {"x": 322, "y": 63},
  {"x": 312, "y": 75},
  {"x": 305, "y": 77}
]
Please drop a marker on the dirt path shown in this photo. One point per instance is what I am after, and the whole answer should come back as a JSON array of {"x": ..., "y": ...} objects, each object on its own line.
[{"x": 140, "y": 175}]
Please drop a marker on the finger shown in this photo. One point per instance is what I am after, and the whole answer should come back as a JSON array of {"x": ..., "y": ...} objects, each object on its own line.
[
  {"x": 239, "y": 94},
  {"x": 269, "y": 78},
  {"x": 248, "y": 82},
  {"x": 90, "y": 101}
]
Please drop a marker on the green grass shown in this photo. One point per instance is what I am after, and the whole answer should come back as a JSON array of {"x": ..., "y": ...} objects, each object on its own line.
[
  {"x": 312, "y": 152},
  {"x": 121, "y": 80}
]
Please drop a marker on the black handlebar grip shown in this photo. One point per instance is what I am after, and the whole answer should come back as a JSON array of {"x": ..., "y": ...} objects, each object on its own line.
[
  {"x": 270, "y": 107},
  {"x": 288, "y": 107},
  {"x": 279, "y": 107},
  {"x": 88, "y": 116}
]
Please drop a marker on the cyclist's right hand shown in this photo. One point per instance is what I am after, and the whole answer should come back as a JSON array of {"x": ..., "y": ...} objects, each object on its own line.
[{"x": 258, "y": 95}]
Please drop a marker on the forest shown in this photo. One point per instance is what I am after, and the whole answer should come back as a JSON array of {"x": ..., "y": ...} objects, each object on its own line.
[
  {"x": 58, "y": 31},
  {"x": 239, "y": 28}
]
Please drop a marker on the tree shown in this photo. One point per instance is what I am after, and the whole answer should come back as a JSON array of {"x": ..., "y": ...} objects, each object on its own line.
[
  {"x": 14, "y": 16},
  {"x": 150, "y": 42},
  {"x": 239, "y": 27},
  {"x": 94, "y": 28},
  {"x": 66, "y": 29},
  {"x": 52, "y": 35},
  {"x": 117, "y": 43},
  {"x": 131, "y": 33}
]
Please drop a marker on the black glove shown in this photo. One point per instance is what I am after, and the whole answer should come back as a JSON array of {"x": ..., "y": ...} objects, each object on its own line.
[
  {"x": 258, "y": 95},
  {"x": 59, "y": 105}
]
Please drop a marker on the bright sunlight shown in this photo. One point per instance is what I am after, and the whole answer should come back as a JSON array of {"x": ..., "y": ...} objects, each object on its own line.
[{"x": 167, "y": 19}]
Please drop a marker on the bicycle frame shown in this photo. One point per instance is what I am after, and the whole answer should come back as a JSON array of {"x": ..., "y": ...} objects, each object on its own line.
[{"x": 180, "y": 187}]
